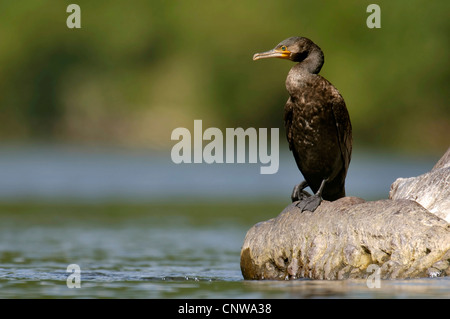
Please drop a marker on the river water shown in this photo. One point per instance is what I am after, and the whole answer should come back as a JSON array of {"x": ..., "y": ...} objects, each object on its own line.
[{"x": 139, "y": 226}]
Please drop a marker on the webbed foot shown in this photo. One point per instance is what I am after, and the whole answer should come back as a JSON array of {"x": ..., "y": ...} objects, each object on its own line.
[
  {"x": 312, "y": 202},
  {"x": 298, "y": 193},
  {"x": 309, "y": 203}
]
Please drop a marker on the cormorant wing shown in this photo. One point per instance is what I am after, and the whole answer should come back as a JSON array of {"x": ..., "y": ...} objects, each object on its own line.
[
  {"x": 343, "y": 124},
  {"x": 288, "y": 109}
]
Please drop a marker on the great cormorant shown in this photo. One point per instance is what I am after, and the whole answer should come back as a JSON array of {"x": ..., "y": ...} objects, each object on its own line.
[{"x": 317, "y": 123}]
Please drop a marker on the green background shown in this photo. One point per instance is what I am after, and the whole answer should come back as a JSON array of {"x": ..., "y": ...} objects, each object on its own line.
[{"x": 138, "y": 69}]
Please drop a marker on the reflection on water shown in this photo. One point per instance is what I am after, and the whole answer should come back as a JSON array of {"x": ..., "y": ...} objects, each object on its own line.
[
  {"x": 123, "y": 251},
  {"x": 129, "y": 246}
]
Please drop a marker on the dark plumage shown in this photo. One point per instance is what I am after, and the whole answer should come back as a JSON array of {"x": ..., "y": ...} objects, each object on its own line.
[{"x": 317, "y": 123}]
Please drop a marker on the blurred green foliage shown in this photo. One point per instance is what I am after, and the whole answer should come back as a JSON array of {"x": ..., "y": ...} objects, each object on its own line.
[{"x": 138, "y": 69}]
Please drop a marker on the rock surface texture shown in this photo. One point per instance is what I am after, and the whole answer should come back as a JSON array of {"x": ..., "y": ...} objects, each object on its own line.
[
  {"x": 431, "y": 190},
  {"x": 405, "y": 236}
]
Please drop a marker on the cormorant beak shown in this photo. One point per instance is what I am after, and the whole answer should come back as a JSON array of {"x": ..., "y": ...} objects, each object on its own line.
[{"x": 275, "y": 53}]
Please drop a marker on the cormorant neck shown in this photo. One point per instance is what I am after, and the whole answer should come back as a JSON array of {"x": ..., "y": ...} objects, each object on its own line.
[{"x": 314, "y": 61}]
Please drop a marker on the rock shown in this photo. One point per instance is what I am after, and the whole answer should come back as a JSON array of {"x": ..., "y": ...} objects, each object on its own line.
[
  {"x": 444, "y": 161},
  {"x": 342, "y": 239},
  {"x": 431, "y": 190}
]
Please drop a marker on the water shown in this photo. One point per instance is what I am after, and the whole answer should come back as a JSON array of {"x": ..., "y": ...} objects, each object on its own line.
[
  {"x": 103, "y": 211},
  {"x": 101, "y": 174},
  {"x": 153, "y": 251}
]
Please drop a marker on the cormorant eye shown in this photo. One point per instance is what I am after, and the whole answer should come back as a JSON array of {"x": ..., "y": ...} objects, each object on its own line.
[{"x": 283, "y": 48}]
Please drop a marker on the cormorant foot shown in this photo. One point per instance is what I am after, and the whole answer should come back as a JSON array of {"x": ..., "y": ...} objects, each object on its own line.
[
  {"x": 298, "y": 193},
  {"x": 312, "y": 202},
  {"x": 309, "y": 203}
]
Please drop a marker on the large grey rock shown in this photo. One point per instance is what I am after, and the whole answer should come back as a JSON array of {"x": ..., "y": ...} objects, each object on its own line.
[
  {"x": 431, "y": 190},
  {"x": 341, "y": 239}
]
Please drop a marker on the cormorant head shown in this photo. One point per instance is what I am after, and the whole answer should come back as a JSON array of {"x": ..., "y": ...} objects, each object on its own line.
[{"x": 296, "y": 49}]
